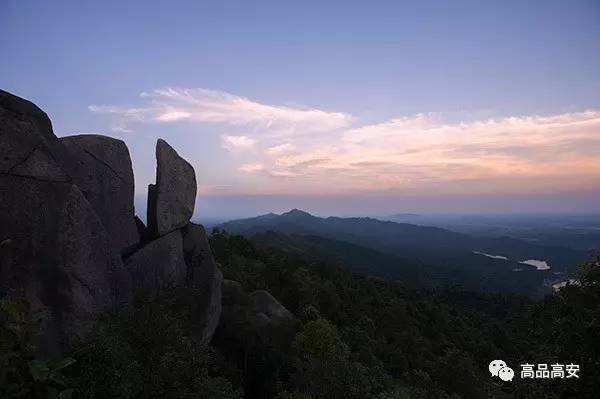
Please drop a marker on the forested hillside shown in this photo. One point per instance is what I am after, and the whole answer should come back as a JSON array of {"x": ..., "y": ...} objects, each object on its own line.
[
  {"x": 358, "y": 337},
  {"x": 367, "y": 337},
  {"x": 422, "y": 255}
]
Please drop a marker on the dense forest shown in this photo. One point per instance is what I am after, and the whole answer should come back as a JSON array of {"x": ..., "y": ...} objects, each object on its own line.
[{"x": 358, "y": 337}]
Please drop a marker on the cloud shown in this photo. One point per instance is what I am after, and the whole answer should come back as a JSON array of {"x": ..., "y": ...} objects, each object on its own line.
[
  {"x": 423, "y": 153},
  {"x": 251, "y": 168},
  {"x": 173, "y": 116},
  {"x": 237, "y": 143},
  {"x": 307, "y": 150},
  {"x": 213, "y": 189},
  {"x": 281, "y": 149},
  {"x": 213, "y": 106}
]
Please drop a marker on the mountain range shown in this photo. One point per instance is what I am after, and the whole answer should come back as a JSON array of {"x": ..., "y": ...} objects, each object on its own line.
[{"x": 421, "y": 256}]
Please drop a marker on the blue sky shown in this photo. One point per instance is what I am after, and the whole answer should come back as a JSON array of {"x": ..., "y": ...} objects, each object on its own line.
[{"x": 344, "y": 107}]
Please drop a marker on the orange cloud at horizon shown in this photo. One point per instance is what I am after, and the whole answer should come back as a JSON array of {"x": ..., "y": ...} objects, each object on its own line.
[
  {"x": 306, "y": 151},
  {"x": 520, "y": 154}
]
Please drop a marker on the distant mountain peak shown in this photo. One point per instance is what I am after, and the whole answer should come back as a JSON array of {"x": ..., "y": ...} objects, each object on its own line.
[
  {"x": 297, "y": 213},
  {"x": 269, "y": 215}
]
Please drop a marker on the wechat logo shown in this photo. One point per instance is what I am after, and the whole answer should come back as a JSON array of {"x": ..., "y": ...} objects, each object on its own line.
[{"x": 498, "y": 368}]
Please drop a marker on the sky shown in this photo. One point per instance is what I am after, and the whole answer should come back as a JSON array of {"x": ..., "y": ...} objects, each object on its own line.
[{"x": 337, "y": 107}]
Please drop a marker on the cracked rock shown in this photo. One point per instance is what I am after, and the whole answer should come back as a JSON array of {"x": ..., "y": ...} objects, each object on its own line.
[
  {"x": 204, "y": 275},
  {"x": 55, "y": 249},
  {"x": 28, "y": 146},
  {"x": 158, "y": 266},
  {"x": 104, "y": 174},
  {"x": 58, "y": 256}
]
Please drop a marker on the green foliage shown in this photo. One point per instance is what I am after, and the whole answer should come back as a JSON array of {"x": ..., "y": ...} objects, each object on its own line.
[
  {"x": 22, "y": 375},
  {"x": 325, "y": 368},
  {"x": 320, "y": 342},
  {"x": 294, "y": 395},
  {"x": 150, "y": 353},
  {"x": 589, "y": 274},
  {"x": 403, "y": 392},
  {"x": 566, "y": 328},
  {"x": 360, "y": 338},
  {"x": 371, "y": 338}
]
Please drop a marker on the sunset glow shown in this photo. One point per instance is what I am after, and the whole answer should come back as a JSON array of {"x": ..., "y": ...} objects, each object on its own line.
[{"x": 299, "y": 151}]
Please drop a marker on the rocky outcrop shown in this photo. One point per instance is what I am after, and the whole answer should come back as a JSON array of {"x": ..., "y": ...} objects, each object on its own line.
[
  {"x": 204, "y": 275},
  {"x": 67, "y": 221},
  {"x": 58, "y": 254},
  {"x": 29, "y": 146},
  {"x": 41, "y": 166},
  {"x": 159, "y": 265},
  {"x": 263, "y": 303},
  {"x": 255, "y": 329},
  {"x": 142, "y": 230},
  {"x": 24, "y": 129},
  {"x": 256, "y": 319},
  {"x": 198, "y": 255},
  {"x": 105, "y": 176},
  {"x": 171, "y": 200}
]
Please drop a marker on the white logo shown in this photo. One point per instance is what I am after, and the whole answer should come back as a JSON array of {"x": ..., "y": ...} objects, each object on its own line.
[
  {"x": 506, "y": 374},
  {"x": 495, "y": 366},
  {"x": 498, "y": 368}
]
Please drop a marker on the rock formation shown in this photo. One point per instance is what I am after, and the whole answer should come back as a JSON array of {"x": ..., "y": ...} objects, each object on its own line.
[
  {"x": 205, "y": 276},
  {"x": 67, "y": 222},
  {"x": 70, "y": 242},
  {"x": 262, "y": 319},
  {"x": 171, "y": 200},
  {"x": 255, "y": 329},
  {"x": 158, "y": 265},
  {"x": 59, "y": 255},
  {"x": 104, "y": 174}
]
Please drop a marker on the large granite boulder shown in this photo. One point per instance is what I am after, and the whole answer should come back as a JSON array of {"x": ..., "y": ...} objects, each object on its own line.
[
  {"x": 99, "y": 166},
  {"x": 58, "y": 257},
  {"x": 56, "y": 252},
  {"x": 67, "y": 221},
  {"x": 29, "y": 146},
  {"x": 256, "y": 319},
  {"x": 23, "y": 128},
  {"x": 205, "y": 277},
  {"x": 255, "y": 329},
  {"x": 105, "y": 176},
  {"x": 171, "y": 200},
  {"x": 198, "y": 255},
  {"x": 159, "y": 265},
  {"x": 263, "y": 303}
]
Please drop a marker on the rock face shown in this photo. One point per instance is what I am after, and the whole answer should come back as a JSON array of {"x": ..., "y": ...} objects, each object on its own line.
[
  {"x": 67, "y": 221},
  {"x": 105, "y": 176},
  {"x": 59, "y": 256},
  {"x": 142, "y": 230},
  {"x": 259, "y": 328},
  {"x": 24, "y": 128},
  {"x": 198, "y": 255},
  {"x": 204, "y": 275},
  {"x": 28, "y": 144},
  {"x": 158, "y": 265},
  {"x": 265, "y": 304},
  {"x": 171, "y": 200},
  {"x": 40, "y": 165},
  {"x": 256, "y": 319}
]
